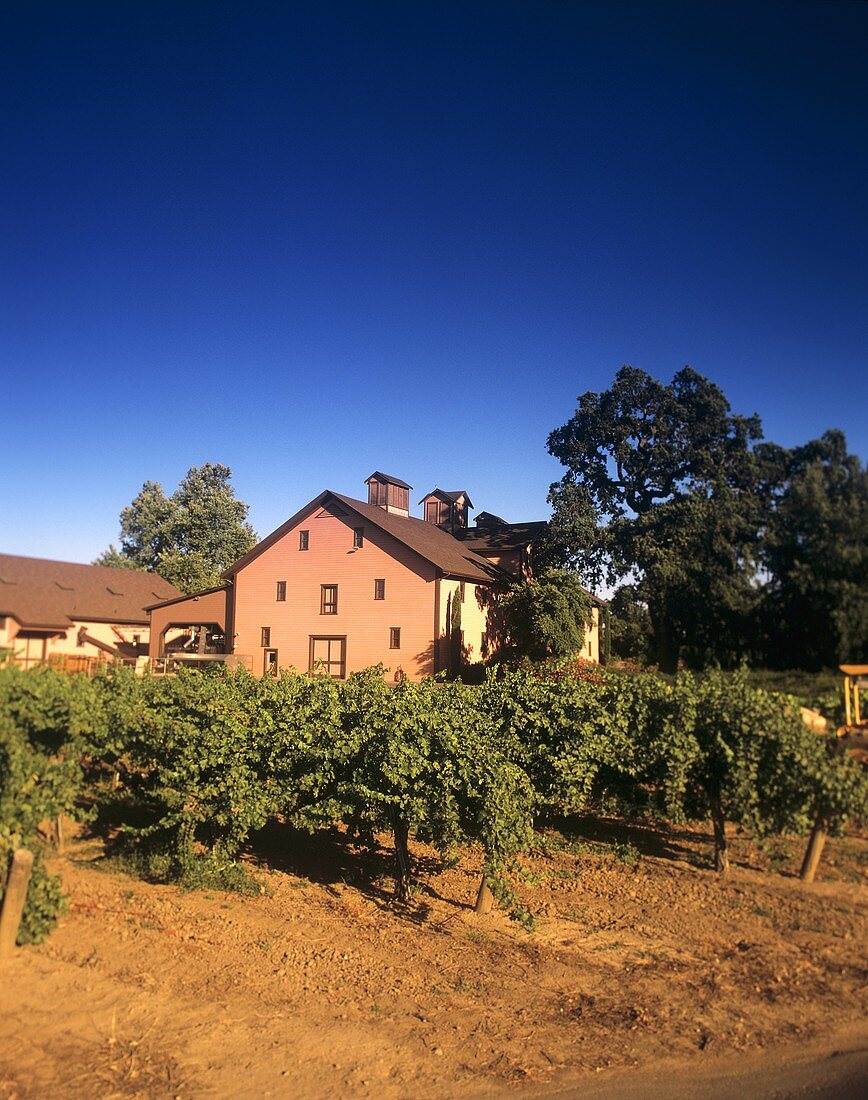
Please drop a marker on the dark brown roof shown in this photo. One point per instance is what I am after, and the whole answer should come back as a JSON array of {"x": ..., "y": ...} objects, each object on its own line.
[
  {"x": 187, "y": 596},
  {"x": 380, "y": 476},
  {"x": 509, "y": 536},
  {"x": 489, "y": 519},
  {"x": 427, "y": 540},
  {"x": 53, "y": 594}
]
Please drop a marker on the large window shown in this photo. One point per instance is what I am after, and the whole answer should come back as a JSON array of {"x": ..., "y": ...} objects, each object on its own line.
[
  {"x": 303, "y": 540},
  {"x": 380, "y": 588},
  {"x": 328, "y": 601},
  {"x": 329, "y": 656},
  {"x": 281, "y": 591}
]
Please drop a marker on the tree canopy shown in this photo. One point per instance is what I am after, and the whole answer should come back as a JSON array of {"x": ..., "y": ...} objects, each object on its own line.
[
  {"x": 815, "y": 550},
  {"x": 664, "y": 486},
  {"x": 733, "y": 547},
  {"x": 190, "y": 537}
]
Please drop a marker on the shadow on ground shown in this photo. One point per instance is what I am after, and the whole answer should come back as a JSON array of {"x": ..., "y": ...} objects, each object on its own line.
[{"x": 330, "y": 858}]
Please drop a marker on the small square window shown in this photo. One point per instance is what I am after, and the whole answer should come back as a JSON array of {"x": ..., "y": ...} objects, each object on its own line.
[
  {"x": 358, "y": 537},
  {"x": 281, "y": 591},
  {"x": 265, "y": 640},
  {"x": 380, "y": 588},
  {"x": 394, "y": 637},
  {"x": 328, "y": 599},
  {"x": 303, "y": 540}
]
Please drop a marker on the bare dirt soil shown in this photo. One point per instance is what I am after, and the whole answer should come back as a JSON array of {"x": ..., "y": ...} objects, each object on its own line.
[{"x": 319, "y": 987}]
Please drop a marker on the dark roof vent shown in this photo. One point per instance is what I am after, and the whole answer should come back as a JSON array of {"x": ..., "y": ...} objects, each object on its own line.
[{"x": 487, "y": 520}]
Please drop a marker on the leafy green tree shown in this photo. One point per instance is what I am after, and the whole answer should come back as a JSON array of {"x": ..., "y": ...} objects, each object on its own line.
[
  {"x": 541, "y": 618},
  {"x": 666, "y": 486},
  {"x": 630, "y": 633},
  {"x": 190, "y": 537},
  {"x": 815, "y": 549}
]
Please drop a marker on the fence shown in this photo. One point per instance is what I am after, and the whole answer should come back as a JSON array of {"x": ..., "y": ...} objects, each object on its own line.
[{"x": 143, "y": 666}]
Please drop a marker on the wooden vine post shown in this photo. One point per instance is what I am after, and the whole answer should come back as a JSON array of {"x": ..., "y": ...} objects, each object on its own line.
[
  {"x": 718, "y": 821},
  {"x": 814, "y": 850},
  {"x": 484, "y": 898},
  {"x": 13, "y": 899}
]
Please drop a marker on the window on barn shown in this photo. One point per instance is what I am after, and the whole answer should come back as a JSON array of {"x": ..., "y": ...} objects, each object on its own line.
[
  {"x": 329, "y": 655},
  {"x": 328, "y": 604}
]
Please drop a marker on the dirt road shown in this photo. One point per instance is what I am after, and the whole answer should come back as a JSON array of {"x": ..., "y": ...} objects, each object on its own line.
[{"x": 835, "y": 1069}]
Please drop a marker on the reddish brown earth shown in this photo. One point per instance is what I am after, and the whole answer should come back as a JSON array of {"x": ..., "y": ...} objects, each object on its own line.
[{"x": 319, "y": 987}]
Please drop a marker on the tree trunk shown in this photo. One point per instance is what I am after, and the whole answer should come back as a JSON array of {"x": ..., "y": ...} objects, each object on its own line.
[
  {"x": 718, "y": 821},
  {"x": 814, "y": 849},
  {"x": 665, "y": 644},
  {"x": 402, "y": 857}
]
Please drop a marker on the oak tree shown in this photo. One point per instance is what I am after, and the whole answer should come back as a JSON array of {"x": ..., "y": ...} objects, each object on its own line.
[{"x": 665, "y": 487}]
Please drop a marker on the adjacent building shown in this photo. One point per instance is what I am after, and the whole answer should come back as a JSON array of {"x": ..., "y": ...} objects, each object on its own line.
[{"x": 72, "y": 614}]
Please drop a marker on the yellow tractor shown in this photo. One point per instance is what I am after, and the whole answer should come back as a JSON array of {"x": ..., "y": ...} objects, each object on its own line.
[{"x": 855, "y": 678}]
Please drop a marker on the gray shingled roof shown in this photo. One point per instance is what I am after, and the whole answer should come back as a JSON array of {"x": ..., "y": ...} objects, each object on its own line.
[{"x": 52, "y": 594}]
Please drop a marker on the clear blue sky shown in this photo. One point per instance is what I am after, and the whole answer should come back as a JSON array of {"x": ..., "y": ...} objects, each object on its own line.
[{"x": 313, "y": 239}]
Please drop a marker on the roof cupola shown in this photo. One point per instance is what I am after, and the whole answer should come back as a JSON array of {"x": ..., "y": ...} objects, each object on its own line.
[
  {"x": 446, "y": 509},
  {"x": 390, "y": 493}
]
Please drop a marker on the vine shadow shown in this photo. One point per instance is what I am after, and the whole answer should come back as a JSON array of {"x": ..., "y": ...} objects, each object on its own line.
[
  {"x": 657, "y": 840},
  {"x": 329, "y": 857}
]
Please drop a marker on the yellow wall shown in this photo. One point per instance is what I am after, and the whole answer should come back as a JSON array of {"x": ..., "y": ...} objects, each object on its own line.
[
  {"x": 473, "y": 619},
  {"x": 591, "y": 648},
  {"x": 30, "y": 650}
]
